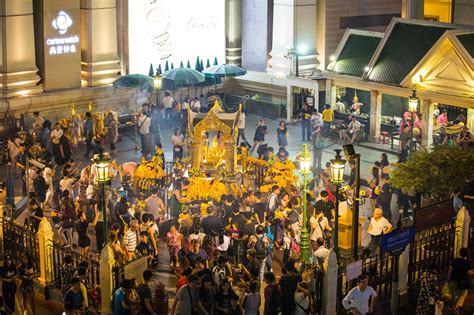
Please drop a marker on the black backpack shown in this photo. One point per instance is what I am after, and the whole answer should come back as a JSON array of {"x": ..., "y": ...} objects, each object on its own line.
[{"x": 260, "y": 249}]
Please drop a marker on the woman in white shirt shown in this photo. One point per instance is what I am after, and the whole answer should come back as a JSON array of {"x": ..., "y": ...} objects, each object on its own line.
[
  {"x": 48, "y": 177},
  {"x": 177, "y": 140}
]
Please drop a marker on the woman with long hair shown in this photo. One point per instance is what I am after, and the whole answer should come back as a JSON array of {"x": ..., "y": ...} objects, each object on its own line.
[
  {"x": 374, "y": 183},
  {"x": 223, "y": 298},
  {"x": 82, "y": 225},
  {"x": 177, "y": 200},
  {"x": 27, "y": 273},
  {"x": 282, "y": 134},
  {"x": 67, "y": 218},
  {"x": 206, "y": 295}
]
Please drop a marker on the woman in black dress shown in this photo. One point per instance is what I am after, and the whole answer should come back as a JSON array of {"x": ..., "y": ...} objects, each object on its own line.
[
  {"x": 82, "y": 225},
  {"x": 260, "y": 133},
  {"x": 27, "y": 273},
  {"x": 64, "y": 150}
]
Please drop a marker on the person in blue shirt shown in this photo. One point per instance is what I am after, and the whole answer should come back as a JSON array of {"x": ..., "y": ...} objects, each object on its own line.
[
  {"x": 73, "y": 299},
  {"x": 121, "y": 307}
]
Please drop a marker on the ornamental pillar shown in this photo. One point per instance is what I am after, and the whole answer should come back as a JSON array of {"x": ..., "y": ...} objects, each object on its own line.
[
  {"x": 294, "y": 26},
  {"x": 233, "y": 32},
  {"x": 427, "y": 109},
  {"x": 375, "y": 115},
  {"x": 106, "y": 265},
  {"x": 330, "y": 298},
  {"x": 100, "y": 61},
  {"x": 18, "y": 70},
  {"x": 45, "y": 246}
]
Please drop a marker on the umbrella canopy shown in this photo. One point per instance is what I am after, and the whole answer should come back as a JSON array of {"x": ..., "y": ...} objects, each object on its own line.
[
  {"x": 144, "y": 82},
  {"x": 224, "y": 71},
  {"x": 182, "y": 77},
  {"x": 10, "y": 198}
]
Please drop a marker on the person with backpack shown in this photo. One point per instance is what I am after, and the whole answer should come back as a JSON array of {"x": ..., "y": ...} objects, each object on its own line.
[
  {"x": 219, "y": 271},
  {"x": 259, "y": 243},
  {"x": 272, "y": 294},
  {"x": 149, "y": 226}
]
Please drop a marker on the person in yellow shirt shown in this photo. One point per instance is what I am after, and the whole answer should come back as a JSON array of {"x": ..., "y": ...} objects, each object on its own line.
[{"x": 328, "y": 116}]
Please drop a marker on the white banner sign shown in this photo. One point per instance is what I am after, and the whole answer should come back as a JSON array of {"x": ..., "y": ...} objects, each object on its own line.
[{"x": 175, "y": 31}]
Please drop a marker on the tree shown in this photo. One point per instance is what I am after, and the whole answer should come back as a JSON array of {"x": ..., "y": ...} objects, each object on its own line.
[
  {"x": 436, "y": 173},
  {"x": 197, "y": 67},
  {"x": 167, "y": 67},
  {"x": 151, "y": 72}
]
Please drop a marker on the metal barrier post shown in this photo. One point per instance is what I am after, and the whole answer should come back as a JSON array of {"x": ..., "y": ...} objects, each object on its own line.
[
  {"x": 107, "y": 263},
  {"x": 45, "y": 242},
  {"x": 330, "y": 282}
]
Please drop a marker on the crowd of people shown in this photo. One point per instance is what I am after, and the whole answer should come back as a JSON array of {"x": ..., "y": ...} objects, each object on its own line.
[{"x": 223, "y": 257}]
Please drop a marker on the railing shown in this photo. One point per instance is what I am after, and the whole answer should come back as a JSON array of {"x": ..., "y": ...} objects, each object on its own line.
[
  {"x": 318, "y": 276},
  {"x": 379, "y": 270},
  {"x": 92, "y": 278},
  {"x": 260, "y": 172},
  {"x": 435, "y": 245},
  {"x": 59, "y": 252},
  {"x": 19, "y": 240}
]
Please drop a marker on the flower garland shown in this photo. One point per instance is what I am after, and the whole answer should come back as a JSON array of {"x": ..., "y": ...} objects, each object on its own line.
[
  {"x": 201, "y": 188},
  {"x": 281, "y": 174}
]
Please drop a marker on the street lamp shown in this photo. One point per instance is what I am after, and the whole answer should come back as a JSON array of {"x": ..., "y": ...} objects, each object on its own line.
[
  {"x": 413, "y": 102},
  {"x": 305, "y": 167},
  {"x": 102, "y": 164},
  {"x": 337, "y": 169}
]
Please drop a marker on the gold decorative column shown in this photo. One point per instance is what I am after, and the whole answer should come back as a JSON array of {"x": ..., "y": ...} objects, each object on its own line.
[
  {"x": 45, "y": 245},
  {"x": 18, "y": 70},
  {"x": 100, "y": 62}
]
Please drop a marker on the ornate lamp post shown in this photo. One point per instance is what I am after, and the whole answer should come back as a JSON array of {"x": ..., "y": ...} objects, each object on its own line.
[
  {"x": 337, "y": 168},
  {"x": 413, "y": 102},
  {"x": 305, "y": 165},
  {"x": 102, "y": 164}
]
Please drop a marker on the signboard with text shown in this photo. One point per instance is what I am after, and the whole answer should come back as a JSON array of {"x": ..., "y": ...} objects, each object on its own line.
[
  {"x": 396, "y": 241},
  {"x": 61, "y": 44},
  {"x": 433, "y": 215}
]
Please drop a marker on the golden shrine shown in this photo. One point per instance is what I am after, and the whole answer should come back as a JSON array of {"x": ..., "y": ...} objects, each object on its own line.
[{"x": 212, "y": 141}]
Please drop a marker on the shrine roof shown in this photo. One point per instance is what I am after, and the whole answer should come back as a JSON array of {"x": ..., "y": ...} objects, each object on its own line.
[
  {"x": 467, "y": 40},
  {"x": 229, "y": 119},
  {"x": 404, "y": 45},
  {"x": 356, "y": 52}
]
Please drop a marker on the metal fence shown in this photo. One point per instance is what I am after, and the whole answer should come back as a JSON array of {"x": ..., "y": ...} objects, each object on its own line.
[
  {"x": 19, "y": 240},
  {"x": 435, "y": 245},
  {"x": 378, "y": 268}
]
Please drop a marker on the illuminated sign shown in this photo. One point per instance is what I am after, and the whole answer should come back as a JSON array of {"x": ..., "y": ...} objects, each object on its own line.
[
  {"x": 62, "y": 22},
  {"x": 175, "y": 31},
  {"x": 62, "y": 45}
]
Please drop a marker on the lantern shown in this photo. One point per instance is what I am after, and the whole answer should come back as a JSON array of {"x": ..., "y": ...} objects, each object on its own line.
[
  {"x": 413, "y": 102},
  {"x": 337, "y": 168},
  {"x": 305, "y": 160},
  {"x": 102, "y": 163}
]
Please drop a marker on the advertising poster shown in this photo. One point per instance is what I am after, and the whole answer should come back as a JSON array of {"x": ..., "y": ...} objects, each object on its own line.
[{"x": 175, "y": 31}]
